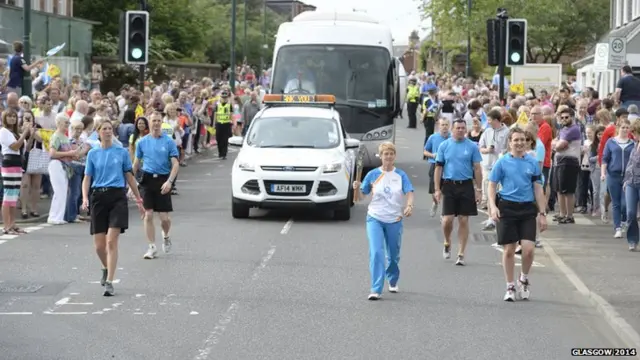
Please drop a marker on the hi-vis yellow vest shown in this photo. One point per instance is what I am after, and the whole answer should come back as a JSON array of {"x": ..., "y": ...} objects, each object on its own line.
[
  {"x": 223, "y": 115},
  {"x": 413, "y": 94}
]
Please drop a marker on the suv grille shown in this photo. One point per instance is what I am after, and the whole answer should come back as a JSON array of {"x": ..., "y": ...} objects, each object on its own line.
[{"x": 290, "y": 168}]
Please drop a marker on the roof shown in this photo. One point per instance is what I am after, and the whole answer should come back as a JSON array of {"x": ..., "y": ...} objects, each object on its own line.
[
  {"x": 306, "y": 111},
  {"x": 626, "y": 31}
]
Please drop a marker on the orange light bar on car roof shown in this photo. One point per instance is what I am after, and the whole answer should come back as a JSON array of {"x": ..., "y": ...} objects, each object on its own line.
[{"x": 299, "y": 98}]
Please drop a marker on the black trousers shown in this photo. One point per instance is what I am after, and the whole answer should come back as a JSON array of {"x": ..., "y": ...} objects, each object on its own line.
[
  {"x": 223, "y": 133},
  {"x": 412, "y": 110},
  {"x": 429, "y": 126},
  {"x": 584, "y": 194}
]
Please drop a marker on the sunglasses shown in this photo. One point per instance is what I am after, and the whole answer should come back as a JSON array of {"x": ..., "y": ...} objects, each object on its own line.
[{"x": 565, "y": 117}]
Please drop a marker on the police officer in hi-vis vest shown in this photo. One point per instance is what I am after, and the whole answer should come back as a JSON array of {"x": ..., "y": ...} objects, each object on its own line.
[
  {"x": 222, "y": 120},
  {"x": 413, "y": 96}
]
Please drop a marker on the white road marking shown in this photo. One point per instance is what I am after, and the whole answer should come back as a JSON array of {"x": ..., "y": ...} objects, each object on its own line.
[
  {"x": 116, "y": 281},
  {"x": 16, "y": 313},
  {"x": 518, "y": 257},
  {"x": 227, "y": 317},
  {"x": 70, "y": 303},
  {"x": 62, "y": 301},
  {"x": 2, "y": 241},
  {"x": 8, "y": 237},
  {"x": 286, "y": 227},
  {"x": 414, "y": 176},
  {"x": 64, "y": 313},
  {"x": 74, "y": 293},
  {"x": 140, "y": 295},
  {"x": 32, "y": 228},
  {"x": 622, "y": 328},
  {"x": 193, "y": 313}
]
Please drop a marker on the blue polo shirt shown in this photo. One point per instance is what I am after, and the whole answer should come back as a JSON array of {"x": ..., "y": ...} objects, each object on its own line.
[
  {"x": 457, "y": 158},
  {"x": 107, "y": 166},
  {"x": 16, "y": 72},
  {"x": 156, "y": 154},
  {"x": 433, "y": 144},
  {"x": 516, "y": 177}
]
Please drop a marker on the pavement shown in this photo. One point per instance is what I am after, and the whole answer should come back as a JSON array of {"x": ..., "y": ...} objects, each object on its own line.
[{"x": 283, "y": 286}]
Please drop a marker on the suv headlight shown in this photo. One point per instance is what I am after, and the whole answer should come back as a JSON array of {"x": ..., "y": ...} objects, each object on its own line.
[
  {"x": 332, "y": 168},
  {"x": 245, "y": 166}
]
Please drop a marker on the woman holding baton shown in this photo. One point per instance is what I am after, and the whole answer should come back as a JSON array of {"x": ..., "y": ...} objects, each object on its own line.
[
  {"x": 391, "y": 201},
  {"x": 104, "y": 187}
]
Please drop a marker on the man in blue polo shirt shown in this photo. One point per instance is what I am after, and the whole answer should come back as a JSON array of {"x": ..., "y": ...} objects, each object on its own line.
[
  {"x": 430, "y": 152},
  {"x": 17, "y": 67},
  {"x": 457, "y": 168},
  {"x": 159, "y": 156},
  {"x": 515, "y": 208}
]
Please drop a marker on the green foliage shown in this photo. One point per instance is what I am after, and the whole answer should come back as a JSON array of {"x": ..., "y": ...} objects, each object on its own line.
[
  {"x": 195, "y": 30},
  {"x": 158, "y": 48},
  {"x": 555, "y": 28}
]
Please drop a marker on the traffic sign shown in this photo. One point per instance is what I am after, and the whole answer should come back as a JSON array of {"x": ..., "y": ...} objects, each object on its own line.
[
  {"x": 617, "y": 52},
  {"x": 601, "y": 58}
]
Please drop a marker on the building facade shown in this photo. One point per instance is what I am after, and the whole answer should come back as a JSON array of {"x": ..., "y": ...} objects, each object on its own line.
[
  {"x": 624, "y": 21},
  {"x": 290, "y": 8},
  {"x": 52, "y": 24}
]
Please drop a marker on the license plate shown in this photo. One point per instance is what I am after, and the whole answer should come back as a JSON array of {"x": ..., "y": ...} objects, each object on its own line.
[{"x": 288, "y": 188}]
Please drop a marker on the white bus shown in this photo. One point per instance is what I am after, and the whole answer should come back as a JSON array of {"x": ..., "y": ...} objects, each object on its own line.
[{"x": 349, "y": 55}]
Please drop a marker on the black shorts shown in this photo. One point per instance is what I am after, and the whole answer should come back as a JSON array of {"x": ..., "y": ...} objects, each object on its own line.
[
  {"x": 545, "y": 174},
  {"x": 517, "y": 221},
  {"x": 458, "y": 198},
  {"x": 432, "y": 186},
  {"x": 152, "y": 197},
  {"x": 109, "y": 209},
  {"x": 566, "y": 177}
]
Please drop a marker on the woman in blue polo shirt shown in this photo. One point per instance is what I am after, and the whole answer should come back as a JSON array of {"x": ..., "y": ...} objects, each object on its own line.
[
  {"x": 515, "y": 208},
  {"x": 107, "y": 190},
  {"x": 389, "y": 186}
]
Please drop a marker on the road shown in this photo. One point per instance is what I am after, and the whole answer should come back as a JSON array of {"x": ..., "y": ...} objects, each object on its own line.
[{"x": 280, "y": 286}]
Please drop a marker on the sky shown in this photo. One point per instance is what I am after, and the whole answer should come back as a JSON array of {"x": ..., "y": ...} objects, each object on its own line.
[{"x": 402, "y": 17}]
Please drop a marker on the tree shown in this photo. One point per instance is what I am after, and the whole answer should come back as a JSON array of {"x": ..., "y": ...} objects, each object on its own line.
[
  {"x": 198, "y": 30},
  {"x": 555, "y": 28},
  {"x": 219, "y": 44}
]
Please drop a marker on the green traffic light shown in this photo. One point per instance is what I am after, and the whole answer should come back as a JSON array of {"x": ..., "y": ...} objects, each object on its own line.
[
  {"x": 136, "y": 53},
  {"x": 515, "y": 57}
]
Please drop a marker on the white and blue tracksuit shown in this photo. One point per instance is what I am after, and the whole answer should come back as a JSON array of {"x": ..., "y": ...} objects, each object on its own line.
[{"x": 384, "y": 223}]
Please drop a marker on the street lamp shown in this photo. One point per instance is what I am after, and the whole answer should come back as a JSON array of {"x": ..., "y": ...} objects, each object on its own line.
[
  {"x": 468, "y": 67},
  {"x": 232, "y": 73}
]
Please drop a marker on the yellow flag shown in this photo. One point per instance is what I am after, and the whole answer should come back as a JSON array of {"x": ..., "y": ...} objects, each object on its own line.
[
  {"x": 517, "y": 88},
  {"x": 139, "y": 111},
  {"x": 46, "y": 135},
  {"x": 522, "y": 120},
  {"x": 53, "y": 71}
]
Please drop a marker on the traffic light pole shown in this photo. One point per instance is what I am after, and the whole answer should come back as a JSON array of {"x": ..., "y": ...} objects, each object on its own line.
[
  {"x": 26, "y": 41},
  {"x": 142, "y": 69},
  {"x": 502, "y": 17}
]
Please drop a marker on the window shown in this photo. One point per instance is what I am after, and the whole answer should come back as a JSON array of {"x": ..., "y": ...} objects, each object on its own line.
[
  {"x": 49, "y": 5},
  {"x": 619, "y": 13},
  {"x": 54, "y": 5},
  {"x": 350, "y": 72},
  {"x": 35, "y": 5},
  {"x": 294, "y": 132},
  {"x": 62, "y": 7},
  {"x": 628, "y": 10}
]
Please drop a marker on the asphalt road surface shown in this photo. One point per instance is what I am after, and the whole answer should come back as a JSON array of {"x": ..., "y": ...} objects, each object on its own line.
[{"x": 280, "y": 286}]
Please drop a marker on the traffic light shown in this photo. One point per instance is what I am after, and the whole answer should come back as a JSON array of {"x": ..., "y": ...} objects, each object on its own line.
[
  {"x": 136, "y": 37},
  {"x": 516, "y": 42}
]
